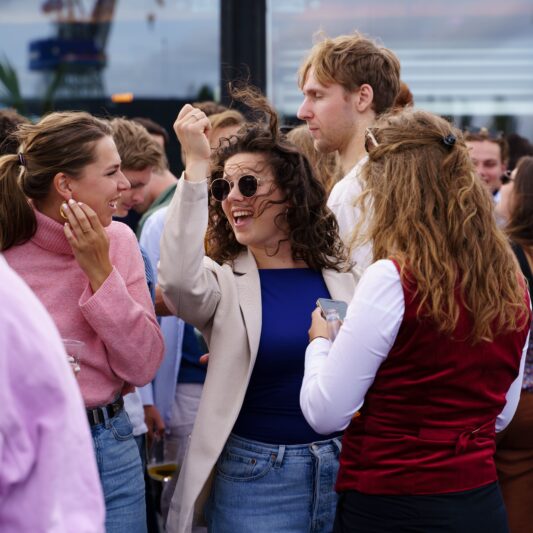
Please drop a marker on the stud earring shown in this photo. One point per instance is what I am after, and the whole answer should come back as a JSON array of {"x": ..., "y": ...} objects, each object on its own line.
[{"x": 61, "y": 212}]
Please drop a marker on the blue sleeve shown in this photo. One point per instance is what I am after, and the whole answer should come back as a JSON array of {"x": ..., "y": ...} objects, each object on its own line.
[{"x": 149, "y": 273}]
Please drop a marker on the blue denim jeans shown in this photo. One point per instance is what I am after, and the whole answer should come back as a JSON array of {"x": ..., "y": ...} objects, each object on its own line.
[
  {"x": 264, "y": 488},
  {"x": 121, "y": 475}
]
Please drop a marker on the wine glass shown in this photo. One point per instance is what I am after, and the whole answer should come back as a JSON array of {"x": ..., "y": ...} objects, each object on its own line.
[{"x": 160, "y": 469}]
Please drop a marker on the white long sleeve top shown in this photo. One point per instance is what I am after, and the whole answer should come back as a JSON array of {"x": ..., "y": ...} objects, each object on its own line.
[{"x": 338, "y": 375}]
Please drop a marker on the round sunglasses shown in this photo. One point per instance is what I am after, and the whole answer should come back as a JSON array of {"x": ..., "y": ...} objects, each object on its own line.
[{"x": 247, "y": 184}]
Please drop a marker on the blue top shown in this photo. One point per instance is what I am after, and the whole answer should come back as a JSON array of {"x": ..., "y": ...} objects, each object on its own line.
[
  {"x": 149, "y": 273},
  {"x": 191, "y": 371},
  {"x": 271, "y": 410}
]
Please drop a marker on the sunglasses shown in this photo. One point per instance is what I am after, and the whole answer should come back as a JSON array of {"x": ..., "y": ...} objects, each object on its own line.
[
  {"x": 247, "y": 185},
  {"x": 370, "y": 141}
]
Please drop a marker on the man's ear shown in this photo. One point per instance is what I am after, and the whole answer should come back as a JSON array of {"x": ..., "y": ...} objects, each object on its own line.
[
  {"x": 62, "y": 186},
  {"x": 364, "y": 98}
]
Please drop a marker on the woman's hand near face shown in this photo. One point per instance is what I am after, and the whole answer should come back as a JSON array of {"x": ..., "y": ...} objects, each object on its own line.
[
  {"x": 89, "y": 242},
  {"x": 192, "y": 128}
]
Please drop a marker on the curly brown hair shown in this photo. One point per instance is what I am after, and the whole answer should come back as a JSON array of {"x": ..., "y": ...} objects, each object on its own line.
[
  {"x": 424, "y": 206},
  {"x": 313, "y": 229}
]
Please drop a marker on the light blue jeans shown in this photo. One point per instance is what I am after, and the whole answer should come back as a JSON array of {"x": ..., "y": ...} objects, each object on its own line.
[
  {"x": 121, "y": 475},
  {"x": 263, "y": 488}
]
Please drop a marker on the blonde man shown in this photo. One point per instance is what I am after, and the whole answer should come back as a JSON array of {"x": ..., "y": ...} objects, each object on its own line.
[
  {"x": 347, "y": 82},
  {"x": 140, "y": 155}
]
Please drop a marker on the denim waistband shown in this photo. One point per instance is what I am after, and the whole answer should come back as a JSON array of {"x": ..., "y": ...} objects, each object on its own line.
[{"x": 285, "y": 449}]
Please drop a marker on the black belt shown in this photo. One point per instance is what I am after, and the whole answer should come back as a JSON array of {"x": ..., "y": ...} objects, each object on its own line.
[{"x": 97, "y": 415}]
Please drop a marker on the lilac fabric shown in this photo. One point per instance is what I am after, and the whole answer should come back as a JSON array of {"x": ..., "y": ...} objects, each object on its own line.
[{"x": 48, "y": 475}]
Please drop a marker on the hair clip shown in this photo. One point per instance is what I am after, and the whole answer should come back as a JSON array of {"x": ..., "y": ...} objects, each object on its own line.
[
  {"x": 22, "y": 159},
  {"x": 449, "y": 140}
]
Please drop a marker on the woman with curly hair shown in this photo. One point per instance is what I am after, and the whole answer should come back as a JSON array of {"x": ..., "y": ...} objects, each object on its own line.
[
  {"x": 273, "y": 250},
  {"x": 432, "y": 351}
]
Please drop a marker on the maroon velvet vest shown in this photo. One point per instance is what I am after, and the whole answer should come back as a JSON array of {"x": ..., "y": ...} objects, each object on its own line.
[{"x": 427, "y": 425}]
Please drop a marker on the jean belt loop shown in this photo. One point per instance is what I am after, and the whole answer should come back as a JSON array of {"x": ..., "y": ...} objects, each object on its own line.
[
  {"x": 338, "y": 443},
  {"x": 280, "y": 455},
  {"x": 107, "y": 418}
]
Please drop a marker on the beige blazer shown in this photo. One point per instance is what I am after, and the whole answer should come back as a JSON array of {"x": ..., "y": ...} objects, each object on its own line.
[{"x": 224, "y": 303}]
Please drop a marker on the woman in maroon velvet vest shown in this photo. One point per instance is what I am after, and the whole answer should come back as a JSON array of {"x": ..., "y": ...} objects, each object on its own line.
[{"x": 428, "y": 364}]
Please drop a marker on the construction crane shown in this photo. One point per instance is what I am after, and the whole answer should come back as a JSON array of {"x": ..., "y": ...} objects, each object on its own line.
[{"x": 75, "y": 57}]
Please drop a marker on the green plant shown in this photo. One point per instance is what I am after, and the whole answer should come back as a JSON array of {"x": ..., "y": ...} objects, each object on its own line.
[{"x": 10, "y": 95}]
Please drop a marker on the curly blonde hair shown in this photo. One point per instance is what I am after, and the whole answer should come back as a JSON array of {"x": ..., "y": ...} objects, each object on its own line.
[{"x": 423, "y": 206}]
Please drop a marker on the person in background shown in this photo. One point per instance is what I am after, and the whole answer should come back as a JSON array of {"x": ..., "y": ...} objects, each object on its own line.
[
  {"x": 159, "y": 193},
  {"x": 518, "y": 147},
  {"x": 9, "y": 122},
  {"x": 141, "y": 158},
  {"x": 163, "y": 182},
  {"x": 404, "y": 98},
  {"x": 273, "y": 250},
  {"x": 57, "y": 199},
  {"x": 140, "y": 155},
  {"x": 209, "y": 107},
  {"x": 514, "y": 452},
  {"x": 224, "y": 125},
  {"x": 325, "y": 165},
  {"x": 425, "y": 368},
  {"x": 347, "y": 82},
  {"x": 48, "y": 474},
  {"x": 157, "y": 131},
  {"x": 490, "y": 153}
]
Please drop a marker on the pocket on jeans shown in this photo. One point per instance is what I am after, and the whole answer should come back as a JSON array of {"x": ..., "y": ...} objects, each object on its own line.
[
  {"x": 239, "y": 466},
  {"x": 121, "y": 426}
]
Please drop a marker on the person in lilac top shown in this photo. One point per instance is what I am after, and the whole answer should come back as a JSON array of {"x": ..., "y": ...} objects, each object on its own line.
[
  {"x": 46, "y": 483},
  {"x": 57, "y": 199}
]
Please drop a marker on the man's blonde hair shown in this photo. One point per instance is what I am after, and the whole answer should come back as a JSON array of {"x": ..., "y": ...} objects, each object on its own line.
[
  {"x": 351, "y": 61},
  {"x": 136, "y": 147}
]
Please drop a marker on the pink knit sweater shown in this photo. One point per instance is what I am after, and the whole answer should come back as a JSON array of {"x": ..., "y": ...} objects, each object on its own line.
[{"x": 123, "y": 344}]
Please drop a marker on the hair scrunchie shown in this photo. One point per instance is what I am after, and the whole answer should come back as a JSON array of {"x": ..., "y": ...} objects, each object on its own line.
[{"x": 449, "y": 140}]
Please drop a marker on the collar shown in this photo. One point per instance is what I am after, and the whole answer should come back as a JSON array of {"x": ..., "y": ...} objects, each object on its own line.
[
  {"x": 165, "y": 195},
  {"x": 50, "y": 235},
  {"x": 244, "y": 263},
  {"x": 356, "y": 169}
]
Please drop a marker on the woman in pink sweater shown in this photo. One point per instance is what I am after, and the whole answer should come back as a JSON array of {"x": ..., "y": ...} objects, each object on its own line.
[{"x": 89, "y": 274}]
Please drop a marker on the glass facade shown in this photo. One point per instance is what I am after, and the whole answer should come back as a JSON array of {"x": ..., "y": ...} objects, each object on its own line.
[
  {"x": 152, "y": 49},
  {"x": 469, "y": 59}
]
